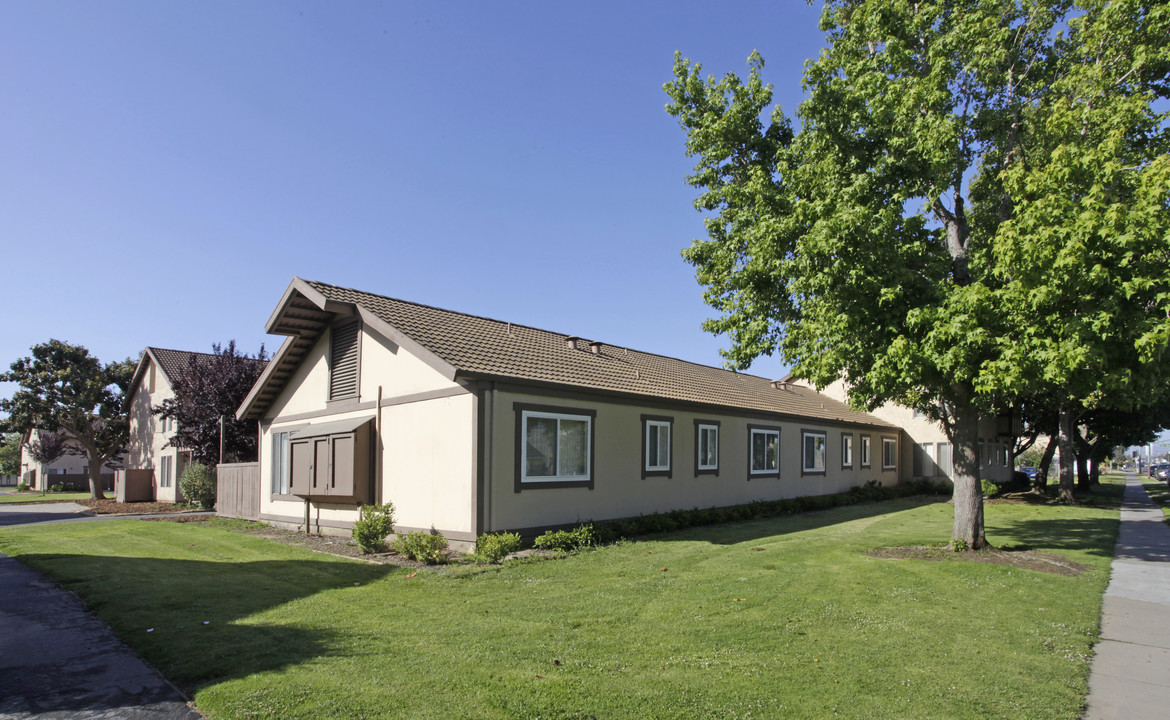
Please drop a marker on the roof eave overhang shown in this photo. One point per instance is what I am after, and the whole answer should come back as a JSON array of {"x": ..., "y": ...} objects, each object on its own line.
[
  {"x": 651, "y": 400},
  {"x": 303, "y": 314}
]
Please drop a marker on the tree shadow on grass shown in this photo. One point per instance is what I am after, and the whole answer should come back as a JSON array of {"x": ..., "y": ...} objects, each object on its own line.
[
  {"x": 193, "y": 619},
  {"x": 732, "y": 533},
  {"x": 1096, "y": 536}
]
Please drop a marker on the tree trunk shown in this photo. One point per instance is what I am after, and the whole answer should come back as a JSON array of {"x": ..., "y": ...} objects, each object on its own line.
[
  {"x": 1068, "y": 456},
  {"x": 968, "y": 497},
  {"x": 1083, "y": 482},
  {"x": 95, "y": 473},
  {"x": 1046, "y": 463}
]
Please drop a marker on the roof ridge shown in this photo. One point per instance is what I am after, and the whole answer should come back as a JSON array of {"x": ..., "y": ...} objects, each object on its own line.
[
  {"x": 543, "y": 330},
  {"x": 188, "y": 352}
]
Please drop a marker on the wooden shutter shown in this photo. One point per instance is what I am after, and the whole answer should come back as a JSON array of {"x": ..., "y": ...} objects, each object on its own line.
[{"x": 343, "y": 362}]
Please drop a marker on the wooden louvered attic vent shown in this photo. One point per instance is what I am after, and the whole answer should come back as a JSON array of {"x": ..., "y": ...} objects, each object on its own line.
[{"x": 343, "y": 362}]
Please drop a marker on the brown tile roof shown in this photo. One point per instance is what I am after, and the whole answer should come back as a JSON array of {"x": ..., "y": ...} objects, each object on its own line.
[
  {"x": 174, "y": 362},
  {"x": 482, "y": 347}
]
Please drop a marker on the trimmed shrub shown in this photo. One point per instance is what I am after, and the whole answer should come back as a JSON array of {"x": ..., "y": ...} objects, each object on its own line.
[
  {"x": 422, "y": 547},
  {"x": 989, "y": 488},
  {"x": 872, "y": 491},
  {"x": 197, "y": 484},
  {"x": 57, "y": 488},
  {"x": 372, "y": 527},
  {"x": 492, "y": 548},
  {"x": 22, "y": 486},
  {"x": 567, "y": 540}
]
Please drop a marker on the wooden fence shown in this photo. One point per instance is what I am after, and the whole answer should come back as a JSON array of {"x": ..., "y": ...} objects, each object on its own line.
[
  {"x": 77, "y": 482},
  {"x": 238, "y": 490},
  {"x": 9, "y": 480}
]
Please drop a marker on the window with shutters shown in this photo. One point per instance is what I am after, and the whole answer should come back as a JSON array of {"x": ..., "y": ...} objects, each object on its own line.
[{"x": 344, "y": 356}]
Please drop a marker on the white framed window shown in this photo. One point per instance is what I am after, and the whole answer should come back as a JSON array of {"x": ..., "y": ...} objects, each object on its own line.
[
  {"x": 889, "y": 453},
  {"x": 656, "y": 445},
  {"x": 706, "y": 447},
  {"x": 924, "y": 460},
  {"x": 814, "y": 449},
  {"x": 280, "y": 464},
  {"x": 763, "y": 451},
  {"x": 554, "y": 446},
  {"x": 846, "y": 450},
  {"x": 865, "y": 456},
  {"x": 980, "y": 454},
  {"x": 166, "y": 468}
]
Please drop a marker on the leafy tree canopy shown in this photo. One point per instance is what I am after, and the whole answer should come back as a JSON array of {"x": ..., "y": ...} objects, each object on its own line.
[
  {"x": 959, "y": 173},
  {"x": 10, "y": 454},
  {"x": 62, "y": 387},
  {"x": 212, "y": 387}
]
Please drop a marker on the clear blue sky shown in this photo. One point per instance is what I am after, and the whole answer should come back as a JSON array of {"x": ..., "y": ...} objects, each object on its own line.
[{"x": 168, "y": 167}]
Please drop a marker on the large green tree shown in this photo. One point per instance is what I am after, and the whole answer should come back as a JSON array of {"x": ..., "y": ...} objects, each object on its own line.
[
  {"x": 63, "y": 387},
  {"x": 10, "y": 454},
  {"x": 208, "y": 391},
  {"x": 867, "y": 245}
]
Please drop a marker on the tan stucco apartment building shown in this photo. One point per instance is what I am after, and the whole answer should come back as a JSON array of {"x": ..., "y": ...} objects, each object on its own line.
[
  {"x": 75, "y": 462},
  {"x": 928, "y": 452},
  {"x": 471, "y": 425},
  {"x": 150, "y": 434}
]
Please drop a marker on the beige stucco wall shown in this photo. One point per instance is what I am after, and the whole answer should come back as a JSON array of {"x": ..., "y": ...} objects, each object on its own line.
[
  {"x": 923, "y": 435},
  {"x": 148, "y": 443},
  {"x": 382, "y": 363},
  {"x": 619, "y": 489},
  {"x": 427, "y": 445},
  {"x": 72, "y": 462}
]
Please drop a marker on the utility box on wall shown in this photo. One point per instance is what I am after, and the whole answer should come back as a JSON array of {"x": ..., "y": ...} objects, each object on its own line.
[{"x": 332, "y": 461}]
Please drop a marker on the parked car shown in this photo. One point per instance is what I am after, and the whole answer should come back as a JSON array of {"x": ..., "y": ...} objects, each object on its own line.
[
  {"x": 1162, "y": 472},
  {"x": 1031, "y": 472}
]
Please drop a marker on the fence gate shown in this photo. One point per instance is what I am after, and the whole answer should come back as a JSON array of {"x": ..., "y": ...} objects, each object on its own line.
[{"x": 238, "y": 490}]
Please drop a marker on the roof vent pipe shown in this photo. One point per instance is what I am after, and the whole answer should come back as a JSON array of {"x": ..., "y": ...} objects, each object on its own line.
[
  {"x": 571, "y": 342},
  {"x": 595, "y": 347}
]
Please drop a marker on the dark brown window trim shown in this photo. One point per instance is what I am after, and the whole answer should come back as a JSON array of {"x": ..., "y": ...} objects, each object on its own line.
[
  {"x": 894, "y": 467},
  {"x": 520, "y": 484},
  {"x": 718, "y": 447},
  {"x": 852, "y": 451},
  {"x": 805, "y": 432},
  {"x": 669, "y": 451},
  {"x": 763, "y": 473},
  {"x": 865, "y": 461}
]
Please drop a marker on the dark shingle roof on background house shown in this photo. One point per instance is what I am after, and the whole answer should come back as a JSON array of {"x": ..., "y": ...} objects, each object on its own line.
[
  {"x": 482, "y": 347},
  {"x": 174, "y": 362},
  {"x": 171, "y": 362}
]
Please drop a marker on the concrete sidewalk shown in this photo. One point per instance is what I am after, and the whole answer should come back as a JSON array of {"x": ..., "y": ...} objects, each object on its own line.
[
  {"x": 57, "y": 660},
  {"x": 1130, "y": 679}
]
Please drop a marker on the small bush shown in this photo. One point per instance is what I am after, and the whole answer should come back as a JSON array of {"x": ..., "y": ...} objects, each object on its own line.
[
  {"x": 989, "y": 488},
  {"x": 372, "y": 527},
  {"x": 570, "y": 540},
  {"x": 492, "y": 548},
  {"x": 57, "y": 488},
  {"x": 22, "y": 486},
  {"x": 959, "y": 545},
  {"x": 197, "y": 484},
  {"x": 422, "y": 546}
]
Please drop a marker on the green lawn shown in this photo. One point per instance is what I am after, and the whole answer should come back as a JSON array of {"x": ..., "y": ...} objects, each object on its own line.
[
  {"x": 26, "y": 497},
  {"x": 788, "y": 617},
  {"x": 1159, "y": 492}
]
